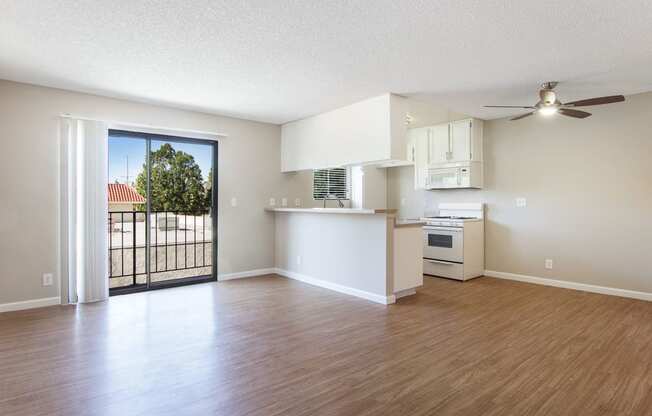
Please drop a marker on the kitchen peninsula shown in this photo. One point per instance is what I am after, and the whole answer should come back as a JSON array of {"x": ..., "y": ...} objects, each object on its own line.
[{"x": 360, "y": 252}]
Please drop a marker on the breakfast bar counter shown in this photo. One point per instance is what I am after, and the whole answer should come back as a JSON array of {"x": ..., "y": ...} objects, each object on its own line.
[{"x": 360, "y": 252}]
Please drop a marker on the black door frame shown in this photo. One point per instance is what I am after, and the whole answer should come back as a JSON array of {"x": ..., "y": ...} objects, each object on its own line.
[{"x": 148, "y": 137}]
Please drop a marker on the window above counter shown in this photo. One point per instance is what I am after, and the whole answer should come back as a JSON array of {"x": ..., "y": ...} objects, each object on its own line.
[{"x": 331, "y": 183}]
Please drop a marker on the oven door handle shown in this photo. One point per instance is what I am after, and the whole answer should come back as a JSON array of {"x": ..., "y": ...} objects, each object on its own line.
[
  {"x": 446, "y": 263},
  {"x": 452, "y": 230}
]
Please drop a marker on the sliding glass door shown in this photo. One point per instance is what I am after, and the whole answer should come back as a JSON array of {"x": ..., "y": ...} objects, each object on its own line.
[{"x": 162, "y": 216}]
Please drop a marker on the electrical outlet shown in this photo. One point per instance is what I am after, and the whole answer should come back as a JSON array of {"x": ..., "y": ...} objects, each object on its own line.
[
  {"x": 548, "y": 264},
  {"x": 521, "y": 202},
  {"x": 234, "y": 202},
  {"x": 272, "y": 202},
  {"x": 48, "y": 279},
  {"x": 298, "y": 260},
  {"x": 297, "y": 202},
  {"x": 284, "y": 202}
]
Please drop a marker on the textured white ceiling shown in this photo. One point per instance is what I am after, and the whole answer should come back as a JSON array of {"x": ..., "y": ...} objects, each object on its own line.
[{"x": 280, "y": 60}]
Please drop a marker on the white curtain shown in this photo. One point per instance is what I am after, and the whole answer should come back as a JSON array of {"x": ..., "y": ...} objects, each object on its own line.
[{"x": 84, "y": 211}]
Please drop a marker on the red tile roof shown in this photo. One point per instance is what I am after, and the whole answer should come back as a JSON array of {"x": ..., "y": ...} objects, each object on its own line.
[{"x": 123, "y": 193}]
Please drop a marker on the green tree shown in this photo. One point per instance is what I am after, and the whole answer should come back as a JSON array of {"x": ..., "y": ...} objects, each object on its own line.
[
  {"x": 209, "y": 189},
  {"x": 176, "y": 182}
]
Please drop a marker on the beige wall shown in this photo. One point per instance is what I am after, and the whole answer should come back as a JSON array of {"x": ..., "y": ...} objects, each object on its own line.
[
  {"x": 249, "y": 169},
  {"x": 374, "y": 188},
  {"x": 588, "y": 185}
]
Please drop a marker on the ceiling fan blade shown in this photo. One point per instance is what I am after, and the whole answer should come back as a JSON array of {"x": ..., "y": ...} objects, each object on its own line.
[
  {"x": 596, "y": 101},
  {"x": 573, "y": 113},
  {"x": 521, "y": 116},
  {"x": 509, "y": 106}
]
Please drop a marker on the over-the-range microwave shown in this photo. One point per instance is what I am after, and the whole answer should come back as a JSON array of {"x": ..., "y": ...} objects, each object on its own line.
[{"x": 464, "y": 175}]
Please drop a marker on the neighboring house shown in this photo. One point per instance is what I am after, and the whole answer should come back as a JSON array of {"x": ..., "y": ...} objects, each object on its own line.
[{"x": 123, "y": 197}]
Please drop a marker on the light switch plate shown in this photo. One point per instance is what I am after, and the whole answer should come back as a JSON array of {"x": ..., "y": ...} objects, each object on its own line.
[
  {"x": 272, "y": 202},
  {"x": 403, "y": 201},
  {"x": 234, "y": 202},
  {"x": 548, "y": 264},
  {"x": 521, "y": 202}
]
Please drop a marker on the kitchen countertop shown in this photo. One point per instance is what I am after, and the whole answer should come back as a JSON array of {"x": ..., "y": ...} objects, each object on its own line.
[
  {"x": 408, "y": 223},
  {"x": 398, "y": 223},
  {"x": 334, "y": 210}
]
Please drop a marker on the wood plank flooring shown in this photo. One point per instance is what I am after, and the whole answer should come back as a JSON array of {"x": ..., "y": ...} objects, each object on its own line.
[{"x": 272, "y": 346}]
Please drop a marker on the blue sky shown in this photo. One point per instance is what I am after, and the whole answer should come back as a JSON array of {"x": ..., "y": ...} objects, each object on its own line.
[{"x": 122, "y": 147}]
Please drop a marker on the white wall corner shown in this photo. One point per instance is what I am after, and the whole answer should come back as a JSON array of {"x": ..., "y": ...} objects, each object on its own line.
[
  {"x": 247, "y": 273},
  {"x": 565, "y": 284}
]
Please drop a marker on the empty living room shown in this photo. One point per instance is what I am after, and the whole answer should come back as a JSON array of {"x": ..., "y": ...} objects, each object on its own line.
[{"x": 302, "y": 208}]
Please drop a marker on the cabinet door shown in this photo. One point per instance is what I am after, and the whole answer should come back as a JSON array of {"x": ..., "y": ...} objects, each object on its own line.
[
  {"x": 461, "y": 140},
  {"x": 439, "y": 144},
  {"x": 418, "y": 145},
  {"x": 412, "y": 136},
  {"x": 421, "y": 158}
]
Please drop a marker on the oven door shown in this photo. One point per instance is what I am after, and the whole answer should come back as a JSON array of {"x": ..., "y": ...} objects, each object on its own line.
[{"x": 443, "y": 243}]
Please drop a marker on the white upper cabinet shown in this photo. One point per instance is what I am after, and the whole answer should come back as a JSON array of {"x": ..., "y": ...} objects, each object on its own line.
[
  {"x": 477, "y": 137},
  {"x": 372, "y": 131},
  {"x": 460, "y": 141},
  {"x": 439, "y": 144},
  {"x": 454, "y": 142},
  {"x": 445, "y": 145},
  {"x": 375, "y": 132},
  {"x": 412, "y": 145},
  {"x": 418, "y": 154}
]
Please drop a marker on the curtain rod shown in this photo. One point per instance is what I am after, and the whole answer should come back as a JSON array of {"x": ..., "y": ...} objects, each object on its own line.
[{"x": 126, "y": 125}]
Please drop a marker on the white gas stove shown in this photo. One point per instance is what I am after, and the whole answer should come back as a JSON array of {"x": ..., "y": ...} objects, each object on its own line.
[
  {"x": 453, "y": 242},
  {"x": 448, "y": 220}
]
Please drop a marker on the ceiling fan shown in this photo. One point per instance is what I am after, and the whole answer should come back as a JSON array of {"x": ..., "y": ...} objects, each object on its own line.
[{"x": 549, "y": 104}]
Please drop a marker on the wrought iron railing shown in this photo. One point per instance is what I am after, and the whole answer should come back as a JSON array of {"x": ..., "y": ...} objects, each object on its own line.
[{"x": 178, "y": 241}]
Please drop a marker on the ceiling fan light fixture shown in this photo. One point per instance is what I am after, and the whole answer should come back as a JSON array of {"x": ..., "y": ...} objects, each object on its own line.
[
  {"x": 549, "y": 104},
  {"x": 548, "y": 110}
]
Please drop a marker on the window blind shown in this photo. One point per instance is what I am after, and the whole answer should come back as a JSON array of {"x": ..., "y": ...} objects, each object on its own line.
[{"x": 330, "y": 183}]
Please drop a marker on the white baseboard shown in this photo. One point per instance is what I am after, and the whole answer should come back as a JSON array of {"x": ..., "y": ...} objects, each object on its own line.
[
  {"x": 570, "y": 285},
  {"x": 385, "y": 300},
  {"x": 406, "y": 292},
  {"x": 247, "y": 273},
  {"x": 29, "y": 304}
]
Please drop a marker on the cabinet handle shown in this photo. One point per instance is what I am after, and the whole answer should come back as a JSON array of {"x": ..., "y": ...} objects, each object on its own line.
[{"x": 445, "y": 263}]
